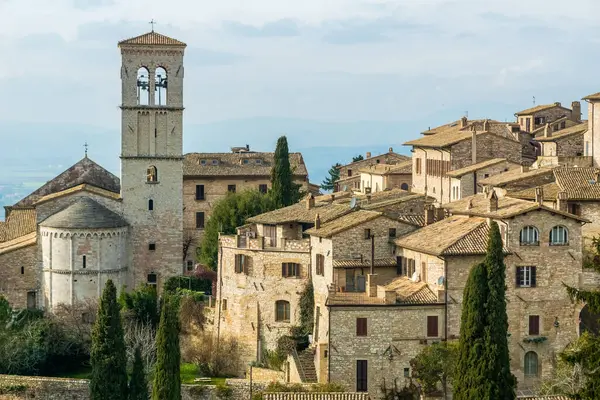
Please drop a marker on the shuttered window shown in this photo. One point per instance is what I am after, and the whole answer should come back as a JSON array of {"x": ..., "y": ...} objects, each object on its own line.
[
  {"x": 320, "y": 264},
  {"x": 534, "y": 324},
  {"x": 361, "y": 327},
  {"x": 526, "y": 276},
  {"x": 361, "y": 376},
  {"x": 241, "y": 263},
  {"x": 290, "y": 270},
  {"x": 432, "y": 326}
]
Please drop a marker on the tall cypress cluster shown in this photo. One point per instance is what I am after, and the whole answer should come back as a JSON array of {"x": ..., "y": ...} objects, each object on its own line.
[
  {"x": 108, "y": 357},
  {"x": 167, "y": 381},
  {"x": 483, "y": 370},
  {"x": 138, "y": 385},
  {"x": 284, "y": 191}
]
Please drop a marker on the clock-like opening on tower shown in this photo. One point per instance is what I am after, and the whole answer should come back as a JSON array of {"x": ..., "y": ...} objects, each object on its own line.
[
  {"x": 143, "y": 87},
  {"x": 160, "y": 87}
]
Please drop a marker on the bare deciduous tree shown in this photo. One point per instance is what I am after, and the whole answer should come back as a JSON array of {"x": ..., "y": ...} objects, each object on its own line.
[
  {"x": 212, "y": 358},
  {"x": 143, "y": 336}
]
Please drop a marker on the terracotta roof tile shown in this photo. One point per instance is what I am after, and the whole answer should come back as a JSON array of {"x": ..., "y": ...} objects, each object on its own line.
[
  {"x": 578, "y": 129},
  {"x": 84, "y": 213},
  {"x": 357, "y": 263},
  {"x": 20, "y": 221},
  {"x": 455, "y": 235},
  {"x": 477, "y": 205},
  {"x": 84, "y": 171},
  {"x": 353, "y": 299},
  {"x": 18, "y": 243},
  {"x": 594, "y": 96},
  {"x": 237, "y": 164},
  {"x": 457, "y": 173},
  {"x": 549, "y": 192},
  {"x": 300, "y": 213},
  {"x": 152, "y": 39},
  {"x": 443, "y": 139},
  {"x": 344, "y": 222},
  {"x": 389, "y": 158},
  {"x": 2, "y": 231},
  {"x": 514, "y": 175},
  {"x": 580, "y": 183},
  {"x": 409, "y": 292},
  {"x": 80, "y": 188},
  {"x": 541, "y": 107}
]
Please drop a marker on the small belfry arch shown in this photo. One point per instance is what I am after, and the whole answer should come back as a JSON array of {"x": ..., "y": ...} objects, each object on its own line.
[
  {"x": 152, "y": 174},
  {"x": 160, "y": 87},
  {"x": 143, "y": 86}
]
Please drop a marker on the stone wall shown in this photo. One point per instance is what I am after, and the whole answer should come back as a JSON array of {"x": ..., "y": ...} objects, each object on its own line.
[
  {"x": 571, "y": 146},
  {"x": 19, "y": 275},
  {"x": 386, "y": 158},
  {"x": 316, "y": 396},
  {"x": 42, "y": 388}
]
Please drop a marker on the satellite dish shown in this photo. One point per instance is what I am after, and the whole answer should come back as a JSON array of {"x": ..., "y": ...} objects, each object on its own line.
[
  {"x": 353, "y": 202},
  {"x": 440, "y": 280}
]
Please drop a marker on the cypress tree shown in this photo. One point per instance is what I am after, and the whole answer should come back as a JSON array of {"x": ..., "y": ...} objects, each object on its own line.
[
  {"x": 284, "y": 191},
  {"x": 469, "y": 382},
  {"x": 138, "y": 385},
  {"x": 500, "y": 382},
  {"x": 108, "y": 358},
  {"x": 167, "y": 381}
]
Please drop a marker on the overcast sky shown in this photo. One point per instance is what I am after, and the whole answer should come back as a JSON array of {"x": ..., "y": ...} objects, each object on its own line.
[{"x": 333, "y": 60}]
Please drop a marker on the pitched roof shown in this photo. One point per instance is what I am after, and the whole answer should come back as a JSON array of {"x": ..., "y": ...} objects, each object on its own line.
[
  {"x": 20, "y": 222},
  {"x": 478, "y": 205},
  {"x": 594, "y": 96},
  {"x": 84, "y": 213},
  {"x": 443, "y": 139},
  {"x": 404, "y": 167},
  {"x": 563, "y": 133},
  {"x": 390, "y": 157},
  {"x": 549, "y": 192},
  {"x": 514, "y": 175},
  {"x": 18, "y": 243},
  {"x": 457, "y": 173},
  {"x": 409, "y": 292},
  {"x": 300, "y": 213},
  {"x": 541, "y": 107},
  {"x": 84, "y": 187},
  {"x": 454, "y": 235},
  {"x": 84, "y": 171},
  {"x": 580, "y": 183},
  {"x": 152, "y": 39},
  {"x": 365, "y": 263},
  {"x": 237, "y": 164},
  {"x": 344, "y": 222}
]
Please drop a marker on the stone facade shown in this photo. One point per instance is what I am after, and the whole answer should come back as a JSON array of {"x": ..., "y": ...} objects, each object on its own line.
[
  {"x": 467, "y": 184},
  {"x": 538, "y": 116},
  {"x": 20, "y": 280},
  {"x": 352, "y": 169}
]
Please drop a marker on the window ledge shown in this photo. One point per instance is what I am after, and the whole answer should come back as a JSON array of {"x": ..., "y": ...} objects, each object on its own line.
[
  {"x": 558, "y": 244},
  {"x": 152, "y": 182},
  {"x": 525, "y": 244}
]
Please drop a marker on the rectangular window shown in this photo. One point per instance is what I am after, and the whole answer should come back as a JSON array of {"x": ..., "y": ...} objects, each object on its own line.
[
  {"x": 282, "y": 311},
  {"x": 263, "y": 188},
  {"x": 241, "y": 263},
  {"x": 320, "y": 265},
  {"x": 349, "y": 173},
  {"x": 526, "y": 276},
  {"x": 199, "y": 192},
  {"x": 224, "y": 304},
  {"x": 190, "y": 265},
  {"x": 231, "y": 188},
  {"x": 361, "y": 376},
  {"x": 152, "y": 246},
  {"x": 432, "y": 326},
  {"x": 534, "y": 324},
  {"x": 290, "y": 270},
  {"x": 151, "y": 279},
  {"x": 200, "y": 220},
  {"x": 392, "y": 233},
  {"x": 367, "y": 234},
  {"x": 84, "y": 263},
  {"x": 361, "y": 327}
]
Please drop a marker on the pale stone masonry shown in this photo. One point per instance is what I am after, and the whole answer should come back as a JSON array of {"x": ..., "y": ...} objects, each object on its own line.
[
  {"x": 350, "y": 175},
  {"x": 379, "y": 177},
  {"x": 208, "y": 177},
  {"x": 535, "y": 117}
]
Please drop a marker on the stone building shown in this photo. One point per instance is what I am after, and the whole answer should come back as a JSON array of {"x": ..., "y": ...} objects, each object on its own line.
[
  {"x": 63, "y": 241},
  {"x": 379, "y": 177},
  {"x": 349, "y": 176},
  {"x": 538, "y": 116},
  {"x": 517, "y": 179},
  {"x": 464, "y": 182},
  {"x": 558, "y": 146},
  {"x": 208, "y": 177},
  {"x": 459, "y": 145}
]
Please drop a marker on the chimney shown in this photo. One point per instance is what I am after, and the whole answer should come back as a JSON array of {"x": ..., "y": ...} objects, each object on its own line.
[
  {"x": 557, "y": 103},
  {"x": 318, "y": 222},
  {"x": 247, "y": 147},
  {"x": 372, "y": 285},
  {"x": 310, "y": 201},
  {"x": 429, "y": 214},
  {"x": 440, "y": 214},
  {"x": 463, "y": 122},
  {"x": 391, "y": 150},
  {"x": 492, "y": 201},
  {"x": 368, "y": 198},
  {"x": 470, "y": 204},
  {"x": 524, "y": 168},
  {"x": 332, "y": 197},
  {"x": 474, "y": 147},
  {"x": 486, "y": 125},
  {"x": 539, "y": 195},
  {"x": 547, "y": 130},
  {"x": 576, "y": 111},
  {"x": 368, "y": 154},
  {"x": 561, "y": 201}
]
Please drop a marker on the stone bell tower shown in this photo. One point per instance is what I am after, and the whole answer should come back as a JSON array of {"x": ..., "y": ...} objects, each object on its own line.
[{"x": 152, "y": 155}]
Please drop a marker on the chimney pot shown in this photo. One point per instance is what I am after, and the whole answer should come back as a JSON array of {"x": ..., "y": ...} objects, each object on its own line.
[
  {"x": 576, "y": 111},
  {"x": 391, "y": 150},
  {"x": 486, "y": 125},
  {"x": 310, "y": 201},
  {"x": 318, "y": 222},
  {"x": 547, "y": 130},
  {"x": 561, "y": 201},
  {"x": 492, "y": 201},
  {"x": 474, "y": 146},
  {"x": 463, "y": 121},
  {"x": 524, "y": 168},
  {"x": 429, "y": 214},
  {"x": 368, "y": 154},
  {"x": 539, "y": 195}
]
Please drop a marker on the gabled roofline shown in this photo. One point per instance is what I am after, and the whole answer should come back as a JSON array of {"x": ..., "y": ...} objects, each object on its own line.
[
  {"x": 84, "y": 187},
  {"x": 534, "y": 207}
]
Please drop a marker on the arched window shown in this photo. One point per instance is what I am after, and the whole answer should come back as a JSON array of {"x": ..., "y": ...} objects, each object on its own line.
[
  {"x": 143, "y": 87},
  {"x": 152, "y": 174},
  {"x": 530, "y": 236},
  {"x": 160, "y": 87},
  {"x": 282, "y": 311},
  {"x": 559, "y": 236},
  {"x": 150, "y": 204},
  {"x": 404, "y": 186},
  {"x": 531, "y": 364}
]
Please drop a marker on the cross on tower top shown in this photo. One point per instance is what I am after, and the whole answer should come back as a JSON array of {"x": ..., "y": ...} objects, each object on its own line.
[
  {"x": 86, "y": 148},
  {"x": 152, "y": 23}
]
